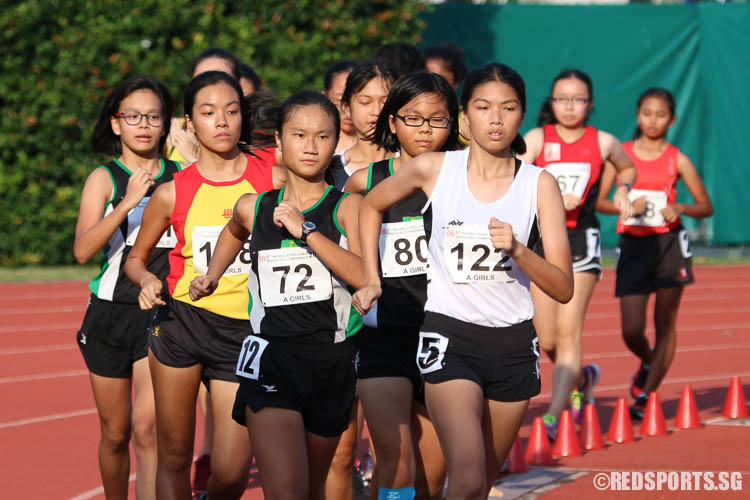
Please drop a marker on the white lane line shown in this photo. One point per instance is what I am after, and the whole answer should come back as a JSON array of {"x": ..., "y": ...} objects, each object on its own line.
[
  {"x": 46, "y": 418},
  {"x": 45, "y": 348},
  {"x": 43, "y": 376},
  {"x": 86, "y": 495},
  {"x": 36, "y": 311},
  {"x": 40, "y": 328},
  {"x": 680, "y": 329},
  {"x": 693, "y": 311},
  {"x": 628, "y": 354},
  {"x": 667, "y": 381}
]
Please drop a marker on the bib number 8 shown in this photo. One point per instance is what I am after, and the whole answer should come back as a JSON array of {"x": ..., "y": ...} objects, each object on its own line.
[{"x": 405, "y": 255}]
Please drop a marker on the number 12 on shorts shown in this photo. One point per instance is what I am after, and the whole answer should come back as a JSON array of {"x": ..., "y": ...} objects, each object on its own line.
[
  {"x": 432, "y": 347},
  {"x": 248, "y": 363}
]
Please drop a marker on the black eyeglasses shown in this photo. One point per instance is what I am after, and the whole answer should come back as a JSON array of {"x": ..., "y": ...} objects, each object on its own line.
[
  {"x": 578, "y": 101},
  {"x": 418, "y": 121},
  {"x": 134, "y": 118}
]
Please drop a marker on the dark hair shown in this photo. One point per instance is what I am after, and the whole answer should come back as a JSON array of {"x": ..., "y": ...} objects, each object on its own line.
[
  {"x": 404, "y": 91},
  {"x": 247, "y": 71},
  {"x": 497, "y": 72},
  {"x": 363, "y": 74},
  {"x": 335, "y": 69},
  {"x": 546, "y": 115},
  {"x": 252, "y": 107},
  {"x": 452, "y": 56},
  {"x": 221, "y": 54},
  {"x": 405, "y": 58},
  {"x": 260, "y": 112},
  {"x": 311, "y": 98},
  {"x": 661, "y": 93},
  {"x": 104, "y": 139}
]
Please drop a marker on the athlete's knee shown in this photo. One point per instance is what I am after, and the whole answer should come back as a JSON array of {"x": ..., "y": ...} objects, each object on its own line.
[
  {"x": 228, "y": 482},
  {"x": 343, "y": 460},
  {"x": 468, "y": 483},
  {"x": 144, "y": 435},
  {"x": 115, "y": 438},
  {"x": 175, "y": 455}
]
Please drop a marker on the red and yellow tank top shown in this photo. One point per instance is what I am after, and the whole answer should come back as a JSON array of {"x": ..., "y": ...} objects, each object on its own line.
[
  {"x": 657, "y": 181},
  {"x": 201, "y": 210},
  {"x": 577, "y": 166}
]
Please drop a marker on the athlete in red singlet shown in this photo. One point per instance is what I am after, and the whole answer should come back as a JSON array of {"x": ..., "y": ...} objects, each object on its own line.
[
  {"x": 574, "y": 152},
  {"x": 654, "y": 253}
]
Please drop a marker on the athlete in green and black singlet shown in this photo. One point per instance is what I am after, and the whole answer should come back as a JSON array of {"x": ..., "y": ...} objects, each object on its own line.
[
  {"x": 292, "y": 292},
  {"x": 111, "y": 283}
]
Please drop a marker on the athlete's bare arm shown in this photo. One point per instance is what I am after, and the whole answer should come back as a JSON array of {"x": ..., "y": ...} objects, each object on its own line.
[
  {"x": 93, "y": 230},
  {"x": 702, "y": 206},
  {"x": 155, "y": 221},
  {"x": 611, "y": 150},
  {"x": 534, "y": 139},
  {"x": 357, "y": 183}
]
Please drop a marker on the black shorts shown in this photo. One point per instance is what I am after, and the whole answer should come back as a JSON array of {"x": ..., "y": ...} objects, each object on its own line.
[
  {"x": 113, "y": 336},
  {"x": 389, "y": 352},
  {"x": 184, "y": 335},
  {"x": 585, "y": 249},
  {"x": 649, "y": 263},
  {"x": 315, "y": 379},
  {"x": 504, "y": 362}
]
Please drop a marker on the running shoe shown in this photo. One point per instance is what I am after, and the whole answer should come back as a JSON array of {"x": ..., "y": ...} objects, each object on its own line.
[
  {"x": 576, "y": 406},
  {"x": 591, "y": 375},
  {"x": 200, "y": 475},
  {"x": 638, "y": 381},
  {"x": 639, "y": 407},
  {"x": 550, "y": 425}
]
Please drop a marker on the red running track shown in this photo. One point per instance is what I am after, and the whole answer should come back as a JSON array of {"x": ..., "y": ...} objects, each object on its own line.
[{"x": 49, "y": 429}]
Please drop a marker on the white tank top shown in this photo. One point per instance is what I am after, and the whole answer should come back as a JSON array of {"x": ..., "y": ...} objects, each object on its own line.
[{"x": 467, "y": 278}]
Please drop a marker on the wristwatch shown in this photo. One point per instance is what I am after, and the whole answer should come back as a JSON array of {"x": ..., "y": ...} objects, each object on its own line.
[
  {"x": 627, "y": 185},
  {"x": 307, "y": 229}
]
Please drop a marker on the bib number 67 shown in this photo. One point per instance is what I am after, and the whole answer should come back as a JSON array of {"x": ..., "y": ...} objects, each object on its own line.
[{"x": 432, "y": 347}]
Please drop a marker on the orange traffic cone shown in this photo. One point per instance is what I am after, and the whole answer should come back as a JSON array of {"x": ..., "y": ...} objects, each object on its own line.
[
  {"x": 566, "y": 444},
  {"x": 687, "y": 411},
  {"x": 621, "y": 427},
  {"x": 653, "y": 420},
  {"x": 735, "y": 405},
  {"x": 538, "y": 450},
  {"x": 517, "y": 463},
  {"x": 591, "y": 432}
]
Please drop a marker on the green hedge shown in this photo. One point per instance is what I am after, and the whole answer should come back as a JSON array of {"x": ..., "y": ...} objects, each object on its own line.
[{"x": 59, "y": 60}]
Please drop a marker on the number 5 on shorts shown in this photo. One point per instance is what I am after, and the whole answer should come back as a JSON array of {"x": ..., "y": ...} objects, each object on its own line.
[
  {"x": 248, "y": 364},
  {"x": 432, "y": 348}
]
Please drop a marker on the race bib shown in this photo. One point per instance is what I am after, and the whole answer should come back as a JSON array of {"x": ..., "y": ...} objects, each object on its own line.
[
  {"x": 292, "y": 276},
  {"x": 204, "y": 244},
  {"x": 248, "y": 363},
  {"x": 572, "y": 177},
  {"x": 470, "y": 256},
  {"x": 167, "y": 240},
  {"x": 403, "y": 248},
  {"x": 656, "y": 201},
  {"x": 432, "y": 347}
]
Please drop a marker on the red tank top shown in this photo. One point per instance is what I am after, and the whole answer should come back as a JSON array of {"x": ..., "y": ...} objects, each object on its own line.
[
  {"x": 657, "y": 180},
  {"x": 201, "y": 210},
  {"x": 577, "y": 166}
]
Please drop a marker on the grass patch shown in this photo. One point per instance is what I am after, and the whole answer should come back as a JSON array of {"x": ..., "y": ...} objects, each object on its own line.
[{"x": 52, "y": 273}]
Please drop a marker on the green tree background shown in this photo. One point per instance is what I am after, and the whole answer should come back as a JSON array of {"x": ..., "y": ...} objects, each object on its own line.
[{"x": 59, "y": 60}]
